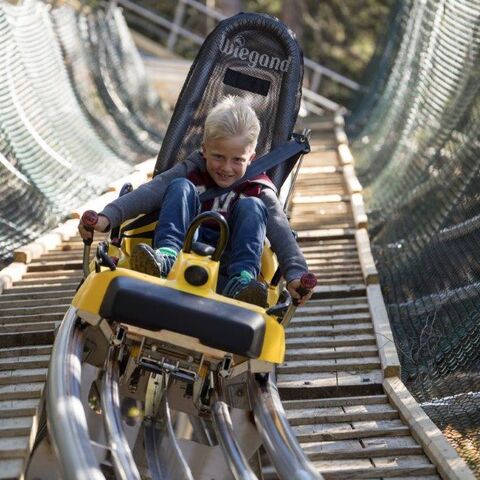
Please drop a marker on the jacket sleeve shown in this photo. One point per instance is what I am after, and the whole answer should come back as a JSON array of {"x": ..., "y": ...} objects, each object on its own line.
[
  {"x": 148, "y": 197},
  {"x": 279, "y": 233}
]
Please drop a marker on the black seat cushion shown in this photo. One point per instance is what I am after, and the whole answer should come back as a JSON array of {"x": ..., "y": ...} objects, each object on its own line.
[{"x": 154, "y": 307}]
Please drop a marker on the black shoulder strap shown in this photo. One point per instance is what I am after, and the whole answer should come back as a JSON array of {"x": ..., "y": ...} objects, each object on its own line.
[{"x": 298, "y": 144}]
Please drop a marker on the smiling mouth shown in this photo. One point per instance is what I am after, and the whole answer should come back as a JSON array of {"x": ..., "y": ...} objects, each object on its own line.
[{"x": 224, "y": 177}]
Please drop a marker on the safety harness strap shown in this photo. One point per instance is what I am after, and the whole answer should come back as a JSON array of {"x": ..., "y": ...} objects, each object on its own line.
[{"x": 297, "y": 145}]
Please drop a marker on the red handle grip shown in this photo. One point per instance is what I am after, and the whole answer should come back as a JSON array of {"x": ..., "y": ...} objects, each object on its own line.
[
  {"x": 89, "y": 219},
  {"x": 308, "y": 281}
]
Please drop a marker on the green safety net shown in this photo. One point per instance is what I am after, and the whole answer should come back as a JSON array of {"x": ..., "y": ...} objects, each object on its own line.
[
  {"x": 416, "y": 141},
  {"x": 76, "y": 113}
]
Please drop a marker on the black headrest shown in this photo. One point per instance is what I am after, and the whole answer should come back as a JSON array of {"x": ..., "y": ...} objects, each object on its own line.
[{"x": 250, "y": 55}]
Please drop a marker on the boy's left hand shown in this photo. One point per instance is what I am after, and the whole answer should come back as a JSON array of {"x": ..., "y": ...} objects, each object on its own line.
[{"x": 293, "y": 286}]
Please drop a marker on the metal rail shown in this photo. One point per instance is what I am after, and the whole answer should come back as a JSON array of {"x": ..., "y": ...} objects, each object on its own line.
[
  {"x": 237, "y": 463},
  {"x": 164, "y": 457},
  {"x": 161, "y": 21},
  {"x": 67, "y": 423},
  {"x": 122, "y": 458},
  {"x": 278, "y": 438}
]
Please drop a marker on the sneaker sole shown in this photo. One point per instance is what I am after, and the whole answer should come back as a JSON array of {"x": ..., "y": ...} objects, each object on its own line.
[
  {"x": 144, "y": 262},
  {"x": 254, "y": 295}
]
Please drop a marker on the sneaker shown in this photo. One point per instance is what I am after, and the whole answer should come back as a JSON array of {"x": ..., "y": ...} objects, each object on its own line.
[
  {"x": 245, "y": 288},
  {"x": 157, "y": 262}
]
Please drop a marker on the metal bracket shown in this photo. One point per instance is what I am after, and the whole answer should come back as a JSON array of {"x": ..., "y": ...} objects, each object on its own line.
[
  {"x": 260, "y": 366},
  {"x": 225, "y": 368},
  {"x": 91, "y": 318},
  {"x": 107, "y": 330},
  {"x": 161, "y": 367}
]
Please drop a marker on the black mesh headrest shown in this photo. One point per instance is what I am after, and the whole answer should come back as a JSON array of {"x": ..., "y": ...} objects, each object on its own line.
[{"x": 250, "y": 55}]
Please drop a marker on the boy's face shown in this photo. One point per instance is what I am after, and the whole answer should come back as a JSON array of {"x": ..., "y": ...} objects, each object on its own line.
[{"x": 227, "y": 159}]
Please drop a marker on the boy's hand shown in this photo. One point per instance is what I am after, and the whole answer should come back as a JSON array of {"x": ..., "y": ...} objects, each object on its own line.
[
  {"x": 102, "y": 225},
  {"x": 293, "y": 288}
]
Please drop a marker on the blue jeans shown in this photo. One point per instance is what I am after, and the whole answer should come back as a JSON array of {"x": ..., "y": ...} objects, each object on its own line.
[{"x": 247, "y": 222}]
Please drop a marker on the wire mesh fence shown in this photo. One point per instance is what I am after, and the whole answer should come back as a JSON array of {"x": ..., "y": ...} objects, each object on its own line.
[
  {"x": 417, "y": 150},
  {"x": 76, "y": 113}
]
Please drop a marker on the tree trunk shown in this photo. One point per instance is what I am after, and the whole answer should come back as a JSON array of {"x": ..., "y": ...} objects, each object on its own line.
[
  {"x": 292, "y": 16},
  {"x": 229, "y": 7}
]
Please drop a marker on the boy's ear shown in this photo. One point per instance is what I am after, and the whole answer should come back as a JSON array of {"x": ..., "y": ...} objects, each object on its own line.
[
  {"x": 203, "y": 148},
  {"x": 252, "y": 157}
]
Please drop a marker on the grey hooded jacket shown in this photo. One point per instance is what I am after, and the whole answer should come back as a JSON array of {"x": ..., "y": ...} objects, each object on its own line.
[{"x": 148, "y": 198}]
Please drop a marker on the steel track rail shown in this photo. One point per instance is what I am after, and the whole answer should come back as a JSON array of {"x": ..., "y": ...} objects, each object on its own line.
[
  {"x": 122, "y": 458},
  {"x": 69, "y": 431},
  {"x": 164, "y": 457},
  {"x": 236, "y": 461},
  {"x": 279, "y": 440},
  {"x": 67, "y": 423}
]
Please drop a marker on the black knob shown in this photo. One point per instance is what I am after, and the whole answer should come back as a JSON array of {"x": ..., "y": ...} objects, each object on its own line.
[{"x": 196, "y": 275}]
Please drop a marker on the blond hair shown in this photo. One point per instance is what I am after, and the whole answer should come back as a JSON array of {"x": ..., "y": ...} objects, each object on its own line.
[{"x": 232, "y": 117}]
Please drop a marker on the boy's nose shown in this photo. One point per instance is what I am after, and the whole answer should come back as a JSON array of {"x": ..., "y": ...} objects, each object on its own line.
[{"x": 227, "y": 166}]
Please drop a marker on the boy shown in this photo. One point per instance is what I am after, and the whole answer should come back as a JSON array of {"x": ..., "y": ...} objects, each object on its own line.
[{"x": 252, "y": 209}]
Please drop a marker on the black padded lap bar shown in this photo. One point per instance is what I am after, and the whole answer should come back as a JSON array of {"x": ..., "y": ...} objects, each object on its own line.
[
  {"x": 215, "y": 324},
  {"x": 246, "y": 82}
]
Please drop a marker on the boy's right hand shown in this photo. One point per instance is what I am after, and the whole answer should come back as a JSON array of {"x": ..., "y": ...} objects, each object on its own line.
[
  {"x": 102, "y": 225},
  {"x": 301, "y": 289}
]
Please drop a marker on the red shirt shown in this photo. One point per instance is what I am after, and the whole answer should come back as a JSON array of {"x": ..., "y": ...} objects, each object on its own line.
[{"x": 224, "y": 203}]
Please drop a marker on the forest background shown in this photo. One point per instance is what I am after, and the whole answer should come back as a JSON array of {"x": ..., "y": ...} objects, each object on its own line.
[{"x": 339, "y": 34}]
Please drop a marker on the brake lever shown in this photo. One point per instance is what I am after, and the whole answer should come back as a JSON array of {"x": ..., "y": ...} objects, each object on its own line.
[
  {"x": 308, "y": 281},
  {"x": 280, "y": 309},
  {"x": 103, "y": 258},
  {"x": 89, "y": 220}
]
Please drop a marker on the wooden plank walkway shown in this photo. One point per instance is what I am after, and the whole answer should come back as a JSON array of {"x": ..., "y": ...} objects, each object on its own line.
[
  {"x": 29, "y": 312},
  {"x": 332, "y": 380}
]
